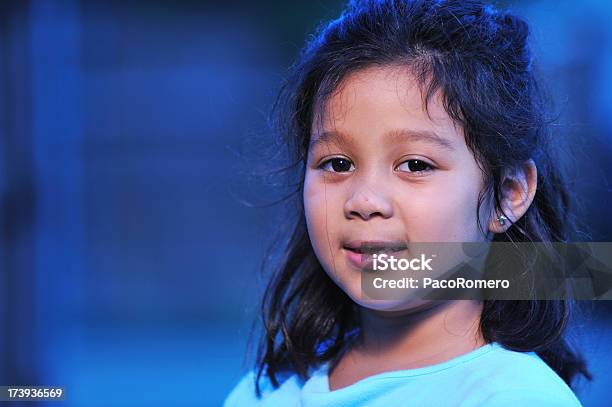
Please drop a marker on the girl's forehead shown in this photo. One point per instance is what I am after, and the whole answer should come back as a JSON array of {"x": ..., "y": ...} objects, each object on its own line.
[{"x": 380, "y": 98}]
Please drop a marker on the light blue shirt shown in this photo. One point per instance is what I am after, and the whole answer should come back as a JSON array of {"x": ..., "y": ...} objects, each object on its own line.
[{"x": 488, "y": 376}]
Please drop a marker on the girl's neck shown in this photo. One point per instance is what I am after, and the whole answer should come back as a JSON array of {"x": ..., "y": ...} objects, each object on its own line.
[{"x": 405, "y": 340}]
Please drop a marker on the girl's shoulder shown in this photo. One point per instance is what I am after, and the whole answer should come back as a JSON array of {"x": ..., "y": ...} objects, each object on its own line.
[
  {"x": 505, "y": 377},
  {"x": 243, "y": 394},
  {"x": 489, "y": 376}
]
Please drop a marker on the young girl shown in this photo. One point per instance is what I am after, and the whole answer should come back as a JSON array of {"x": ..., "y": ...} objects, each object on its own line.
[{"x": 413, "y": 121}]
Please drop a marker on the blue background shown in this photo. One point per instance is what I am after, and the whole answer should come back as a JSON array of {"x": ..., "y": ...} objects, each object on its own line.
[{"x": 129, "y": 267}]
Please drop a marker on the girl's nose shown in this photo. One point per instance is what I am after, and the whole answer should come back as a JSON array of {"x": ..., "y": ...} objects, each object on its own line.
[{"x": 366, "y": 202}]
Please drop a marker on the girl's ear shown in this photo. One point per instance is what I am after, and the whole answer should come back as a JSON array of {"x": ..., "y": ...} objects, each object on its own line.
[{"x": 517, "y": 192}]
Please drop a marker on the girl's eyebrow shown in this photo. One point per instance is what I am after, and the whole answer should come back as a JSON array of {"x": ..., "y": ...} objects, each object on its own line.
[{"x": 394, "y": 136}]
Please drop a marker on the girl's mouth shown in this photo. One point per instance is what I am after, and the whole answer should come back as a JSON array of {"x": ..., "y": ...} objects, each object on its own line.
[{"x": 360, "y": 253}]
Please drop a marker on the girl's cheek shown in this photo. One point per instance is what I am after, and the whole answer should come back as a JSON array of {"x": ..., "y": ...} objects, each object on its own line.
[
  {"x": 310, "y": 193},
  {"x": 314, "y": 201},
  {"x": 322, "y": 207},
  {"x": 317, "y": 191}
]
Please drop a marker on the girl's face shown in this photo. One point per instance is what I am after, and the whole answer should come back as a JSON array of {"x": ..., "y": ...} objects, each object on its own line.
[{"x": 380, "y": 169}]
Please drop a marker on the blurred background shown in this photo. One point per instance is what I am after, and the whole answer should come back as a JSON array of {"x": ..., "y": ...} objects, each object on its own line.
[{"x": 129, "y": 267}]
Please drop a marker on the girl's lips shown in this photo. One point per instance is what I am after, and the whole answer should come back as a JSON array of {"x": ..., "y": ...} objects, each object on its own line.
[
  {"x": 354, "y": 258},
  {"x": 364, "y": 261},
  {"x": 375, "y": 246},
  {"x": 361, "y": 261}
]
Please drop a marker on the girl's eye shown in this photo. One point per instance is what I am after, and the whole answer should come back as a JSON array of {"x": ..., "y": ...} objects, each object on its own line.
[
  {"x": 415, "y": 166},
  {"x": 337, "y": 164}
]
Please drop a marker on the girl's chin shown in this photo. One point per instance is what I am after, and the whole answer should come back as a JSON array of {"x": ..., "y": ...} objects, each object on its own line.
[
  {"x": 391, "y": 305},
  {"x": 352, "y": 287}
]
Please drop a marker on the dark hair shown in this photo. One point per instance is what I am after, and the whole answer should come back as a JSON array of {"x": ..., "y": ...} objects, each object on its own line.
[{"x": 480, "y": 60}]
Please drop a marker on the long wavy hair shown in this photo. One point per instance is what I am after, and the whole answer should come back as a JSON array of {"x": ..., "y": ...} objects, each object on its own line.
[{"x": 480, "y": 61}]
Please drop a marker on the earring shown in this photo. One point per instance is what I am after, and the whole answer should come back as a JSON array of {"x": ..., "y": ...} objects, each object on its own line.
[{"x": 502, "y": 220}]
